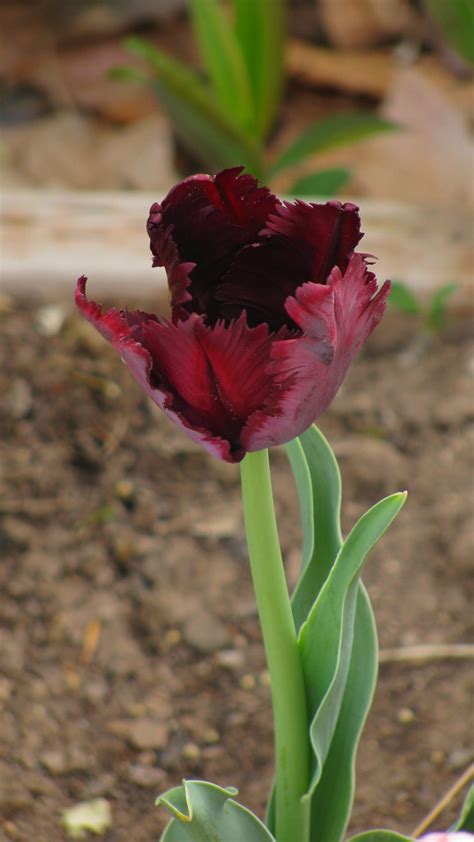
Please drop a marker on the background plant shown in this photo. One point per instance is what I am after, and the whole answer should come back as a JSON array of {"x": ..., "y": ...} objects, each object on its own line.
[{"x": 227, "y": 115}]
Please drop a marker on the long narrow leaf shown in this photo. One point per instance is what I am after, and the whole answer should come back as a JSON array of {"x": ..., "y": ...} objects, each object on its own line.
[
  {"x": 318, "y": 484},
  {"x": 326, "y": 637},
  {"x": 328, "y": 133},
  {"x": 260, "y": 29},
  {"x": 223, "y": 60},
  {"x": 198, "y": 122},
  {"x": 331, "y": 805}
]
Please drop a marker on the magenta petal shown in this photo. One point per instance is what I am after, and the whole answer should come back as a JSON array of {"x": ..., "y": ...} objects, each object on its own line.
[
  {"x": 329, "y": 233},
  {"x": 305, "y": 377}
]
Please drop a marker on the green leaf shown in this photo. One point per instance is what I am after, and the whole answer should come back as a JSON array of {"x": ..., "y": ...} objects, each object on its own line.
[
  {"x": 380, "y": 836},
  {"x": 128, "y": 74},
  {"x": 205, "y": 812},
  {"x": 456, "y": 20},
  {"x": 322, "y": 183},
  {"x": 326, "y": 637},
  {"x": 328, "y": 133},
  {"x": 404, "y": 300},
  {"x": 350, "y": 679},
  {"x": 331, "y": 805},
  {"x": 223, "y": 60},
  {"x": 198, "y": 122},
  {"x": 436, "y": 315},
  {"x": 318, "y": 483},
  {"x": 260, "y": 28},
  {"x": 466, "y": 820}
]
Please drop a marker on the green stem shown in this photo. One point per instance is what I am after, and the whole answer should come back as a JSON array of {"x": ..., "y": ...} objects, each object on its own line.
[{"x": 279, "y": 637}]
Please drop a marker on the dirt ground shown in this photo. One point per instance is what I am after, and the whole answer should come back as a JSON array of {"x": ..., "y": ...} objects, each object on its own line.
[{"x": 130, "y": 651}]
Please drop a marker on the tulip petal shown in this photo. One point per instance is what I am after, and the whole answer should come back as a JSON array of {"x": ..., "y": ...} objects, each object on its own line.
[
  {"x": 329, "y": 233},
  {"x": 128, "y": 333},
  {"x": 261, "y": 277},
  {"x": 307, "y": 371},
  {"x": 208, "y": 220}
]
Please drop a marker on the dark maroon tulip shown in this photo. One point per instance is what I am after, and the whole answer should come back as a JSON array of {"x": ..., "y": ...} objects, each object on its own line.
[{"x": 269, "y": 304}]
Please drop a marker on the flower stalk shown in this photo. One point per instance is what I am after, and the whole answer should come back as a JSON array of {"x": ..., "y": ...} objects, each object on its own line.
[{"x": 279, "y": 637}]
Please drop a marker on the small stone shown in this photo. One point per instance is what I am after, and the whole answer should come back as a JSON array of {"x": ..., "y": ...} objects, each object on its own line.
[
  {"x": 173, "y": 637},
  {"x": 205, "y": 633},
  {"x": 191, "y": 751},
  {"x": 231, "y": 659},
  {"x": 146, "y": 776},
  {"x": 54, "y": 762},
  {"x": 125, "y": 490},
  {"x": 210, "y": 735},
  {"x": 437, "y": 757},
  {"x": 459, "y": 758},
  {"x": 405, "y": 716},
  {"x": 148, "y": 733},
  {"x": 49, "y": 320},
  {"x": 247, "y": 682},
  {"x": 20, "y": 399}
]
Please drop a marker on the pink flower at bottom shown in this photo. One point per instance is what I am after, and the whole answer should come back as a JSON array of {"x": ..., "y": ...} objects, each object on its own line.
[{"x": 270, "y": 303}]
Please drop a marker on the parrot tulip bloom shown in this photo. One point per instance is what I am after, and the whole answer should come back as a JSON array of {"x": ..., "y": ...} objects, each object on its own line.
[{"x": 269, "y": 305}]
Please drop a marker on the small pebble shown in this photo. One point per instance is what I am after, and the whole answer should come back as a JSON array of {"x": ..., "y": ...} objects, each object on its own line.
[
  {"x": 405, "y": 716},
  {"x": 247, "y": 682},
  {"x": 191, "y": 751}
]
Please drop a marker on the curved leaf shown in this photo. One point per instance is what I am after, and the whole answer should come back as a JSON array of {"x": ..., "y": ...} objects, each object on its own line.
[
  {"x": 206, "y": 812},
  {"x": 328, "y": 133},
  {"x": 331, "y": 805},
  {"x": 318, "y": 484},
  {"x": 326, "y": 637},
  {"x": 223, "y": 59}
]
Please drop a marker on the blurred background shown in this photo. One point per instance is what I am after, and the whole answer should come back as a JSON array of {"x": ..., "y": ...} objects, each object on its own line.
[{"x": 130, "y": 651}]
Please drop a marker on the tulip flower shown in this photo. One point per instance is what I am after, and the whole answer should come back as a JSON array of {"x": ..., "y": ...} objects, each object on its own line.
[{"x": 269, "y": 305}]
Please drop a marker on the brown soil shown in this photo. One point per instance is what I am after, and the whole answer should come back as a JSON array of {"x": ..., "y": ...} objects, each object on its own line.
[{"x": 130, "y": 651}]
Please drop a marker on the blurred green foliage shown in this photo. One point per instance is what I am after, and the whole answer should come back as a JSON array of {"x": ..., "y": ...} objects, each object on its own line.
[
  {"x": 456, "y": 20},
  {"x": 225, "y": 117},
  {"x": 432, "y": 314}
]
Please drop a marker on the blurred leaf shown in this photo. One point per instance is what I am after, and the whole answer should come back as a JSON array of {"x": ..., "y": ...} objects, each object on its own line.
[
  {"x": 466, "y": 819},
  {"x": 223, "y": 59},
  {"x": 260, "y": 29},
  {"x": 436, "y": 315},
  {"x": 332, "y": 131},
  {"x": 128, "y": 74},
  {"x": 404, "y": 300},
  {"x": 203, "y": 812},
  {"x": 93, "y": 816},
  {"x": 200, "y": 125},
  {"x": 456, "y": 19},
  {"x": 322, "y": 183}
]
